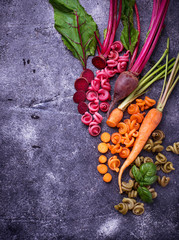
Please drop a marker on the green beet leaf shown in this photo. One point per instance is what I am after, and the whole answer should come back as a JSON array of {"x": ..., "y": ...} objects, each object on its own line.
[
  {"x": 129, "y": 35},
  {"x": 148, "y": 169},
  {"x": 76, "y": 27},
  {"x": 137, "y": 174},
  {"x": 144, "y": 194}
]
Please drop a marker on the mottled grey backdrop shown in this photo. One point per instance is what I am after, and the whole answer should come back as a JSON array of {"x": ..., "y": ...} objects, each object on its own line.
[{"x": 49, "y": 185}]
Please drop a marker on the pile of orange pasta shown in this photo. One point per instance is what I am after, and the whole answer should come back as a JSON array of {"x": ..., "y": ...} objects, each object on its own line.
[{"x": 122, "y": 141}]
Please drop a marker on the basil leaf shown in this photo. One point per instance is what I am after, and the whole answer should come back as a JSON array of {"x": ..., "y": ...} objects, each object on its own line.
[
  {"x": 148, "y": 169},
  {"x": 129, "y": 35},
  {"x": 137, "y": 174},
  {"x": 144, "y": 194},
  {"x": 76, "y": 27},
  {"x": 148, "y": 180}
]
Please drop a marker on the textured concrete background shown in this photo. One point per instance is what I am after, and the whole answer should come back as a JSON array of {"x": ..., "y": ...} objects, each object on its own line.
[{"x": 49, "y": 185}]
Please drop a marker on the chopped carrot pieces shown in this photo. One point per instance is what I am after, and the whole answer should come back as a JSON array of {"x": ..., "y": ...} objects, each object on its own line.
[
  {"x": 102, "y": 147},
  {"x": 102, "y": 159},
  {"x": 102, "y": 168},
  {"x": 105, "y": 137},
  {"x": 125, "y": 152},
  {"x": 107, "y": 177}
]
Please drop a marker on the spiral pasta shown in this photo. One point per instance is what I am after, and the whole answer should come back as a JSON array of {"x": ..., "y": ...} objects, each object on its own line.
[
  {"x": 138, "y": 161},
  {"x": 158, "y": 135},
  {"x": 167, "y": 167},
  {"x": 148, "y": 159},
  {"x": 174, "y": 148},
  {"x": 163, "y": 181},
  {"x": 122, "y": 208},
  {"x": 132, "y": 194},
  {"x": 130, "y": 173},
  {"x": 153, "y": 192},
  {"x": 161, "y": 159},
  {"x": 130, "y": 202},
  {"x": 127, "y": 187},
  {"x": 153, "y": 146},
  {"x": 138, "y": 209}
]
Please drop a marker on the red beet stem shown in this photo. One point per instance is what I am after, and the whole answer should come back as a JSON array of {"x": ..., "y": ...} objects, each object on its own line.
[
  {"x": 119, "y": 15},
  {"x": 154, "y": 43},
  {"x": 109, "y": 28},
  {"x": 159, "y": 20},
  {"x": 137, "y": 45},
  {"x": 99, "y": 42},
  {"x": 113, "y": 30}
]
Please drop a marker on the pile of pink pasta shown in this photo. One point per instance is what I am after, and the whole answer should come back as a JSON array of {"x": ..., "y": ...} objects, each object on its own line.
[{"x": 97, "y": 89}]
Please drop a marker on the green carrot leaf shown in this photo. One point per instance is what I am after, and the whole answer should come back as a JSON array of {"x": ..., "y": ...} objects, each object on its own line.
[
  {"x": 144, "y": 194},
  {"x": 129, "y": 35},
  {"x": 76, "y": 27}
]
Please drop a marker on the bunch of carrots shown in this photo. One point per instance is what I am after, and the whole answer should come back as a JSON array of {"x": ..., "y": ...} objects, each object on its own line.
[{"x": 124, "y": 139}]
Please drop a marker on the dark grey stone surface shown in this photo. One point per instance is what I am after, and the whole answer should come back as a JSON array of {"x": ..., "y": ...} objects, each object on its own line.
[{"x": 49, "y": 185}]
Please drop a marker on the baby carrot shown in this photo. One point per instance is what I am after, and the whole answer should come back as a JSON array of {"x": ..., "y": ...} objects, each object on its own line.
[
  {"x": 105, "y": 137},
  {"x": 107, "y": 177},
  {"x": 102, "y": 147},
  {"x": 102, "y": 168},
  {"x": 115, "y": 117},
  {"x": 102, "y": 159}
]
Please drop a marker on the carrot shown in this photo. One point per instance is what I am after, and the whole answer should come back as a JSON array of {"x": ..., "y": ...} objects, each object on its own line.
[
  {"x": 102, "y": 159},
  {"x": 105, "y": 137},
  {"x": 114, "y": 118},
  {"x": 107, "y": 177},
  {"x": 133, "y": 108},
  {"x": 102, "y": 147},
  {"x": 148, "y": 125},
  {"x": 114, "y": 163},
  {"x": 102, "y": 168}
]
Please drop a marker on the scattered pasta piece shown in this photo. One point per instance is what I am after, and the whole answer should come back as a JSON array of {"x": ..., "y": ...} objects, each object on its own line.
[
  {"x": 163, "y": 181},
  {"x": 174, "y": 148}
]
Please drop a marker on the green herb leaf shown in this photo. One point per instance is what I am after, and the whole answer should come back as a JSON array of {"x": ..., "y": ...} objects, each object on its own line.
[
  {"x": 148, "y": 180},
  {"x": 144, "y": 194},
  {"x": 137, "y": 174},
  {"x": 76, "y": 27},
  {"x": 148, "y": 169},
  {"x": 105, "y": 32},
  {"x": 129, "y": 35}
]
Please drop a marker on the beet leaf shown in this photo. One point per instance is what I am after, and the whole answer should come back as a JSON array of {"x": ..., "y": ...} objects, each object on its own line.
[
  {"x": 76, "y": 27},
  {"x": 129, "y": 35}
]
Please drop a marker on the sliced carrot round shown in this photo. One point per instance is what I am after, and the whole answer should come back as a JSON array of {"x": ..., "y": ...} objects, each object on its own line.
[
  {"x": 107, "y": 177},
  {"x": 105, "y": 137},
  {"x": 102, "y": 159},
  {"x": 102, "y": 147},
  {"x": 102, "y": 168}
]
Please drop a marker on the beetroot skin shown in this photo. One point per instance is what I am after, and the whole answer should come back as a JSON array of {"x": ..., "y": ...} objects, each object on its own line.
[{"x": 124, "y": 85}]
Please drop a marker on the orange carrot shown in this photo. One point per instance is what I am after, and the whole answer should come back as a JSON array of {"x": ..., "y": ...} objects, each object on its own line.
[
  {"x": 148, "y": 125},
  {"x": 123, "y": 128},
  {"x": 115, "y": 117},
  {"x": 107, "y": 177},
  {"x": 114, "y": 163},
  {"x": 102, "y": 168},
  {"x": 102, "y": 159},
  {"x": 133, "y": 108},
  {"x": 102, "y": 147},
  {"x": 105, "y": 137}
]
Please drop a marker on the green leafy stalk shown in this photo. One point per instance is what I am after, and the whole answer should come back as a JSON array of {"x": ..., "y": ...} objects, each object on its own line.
[
  {"x": 76, "y": 27},
  {"x": 129, "y": 35}
]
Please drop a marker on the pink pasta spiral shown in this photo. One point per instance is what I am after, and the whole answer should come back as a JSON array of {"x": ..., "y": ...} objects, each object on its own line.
[
  {"x": 103, "y": 95},
  {"x": 113, "y": 55},
  {"x": 97, "y": 117},
  {"x": 122, "y": 62},
  {"x": 110, "y": 71},
  {"x": 101, "y": 75},
  {"x": 93, "y": 106},
  {"x": 112, "y": 63},
  {"x": 91, "y": 95},
  {"x": 86, "y": 118},
  {"x": 94, "y": 130},
  {"x": 95, "y": 85},
  {"x": 105, "y": 85},
  {"x": 117, "y": 46},
  {"x": 104, "y": 106}
]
